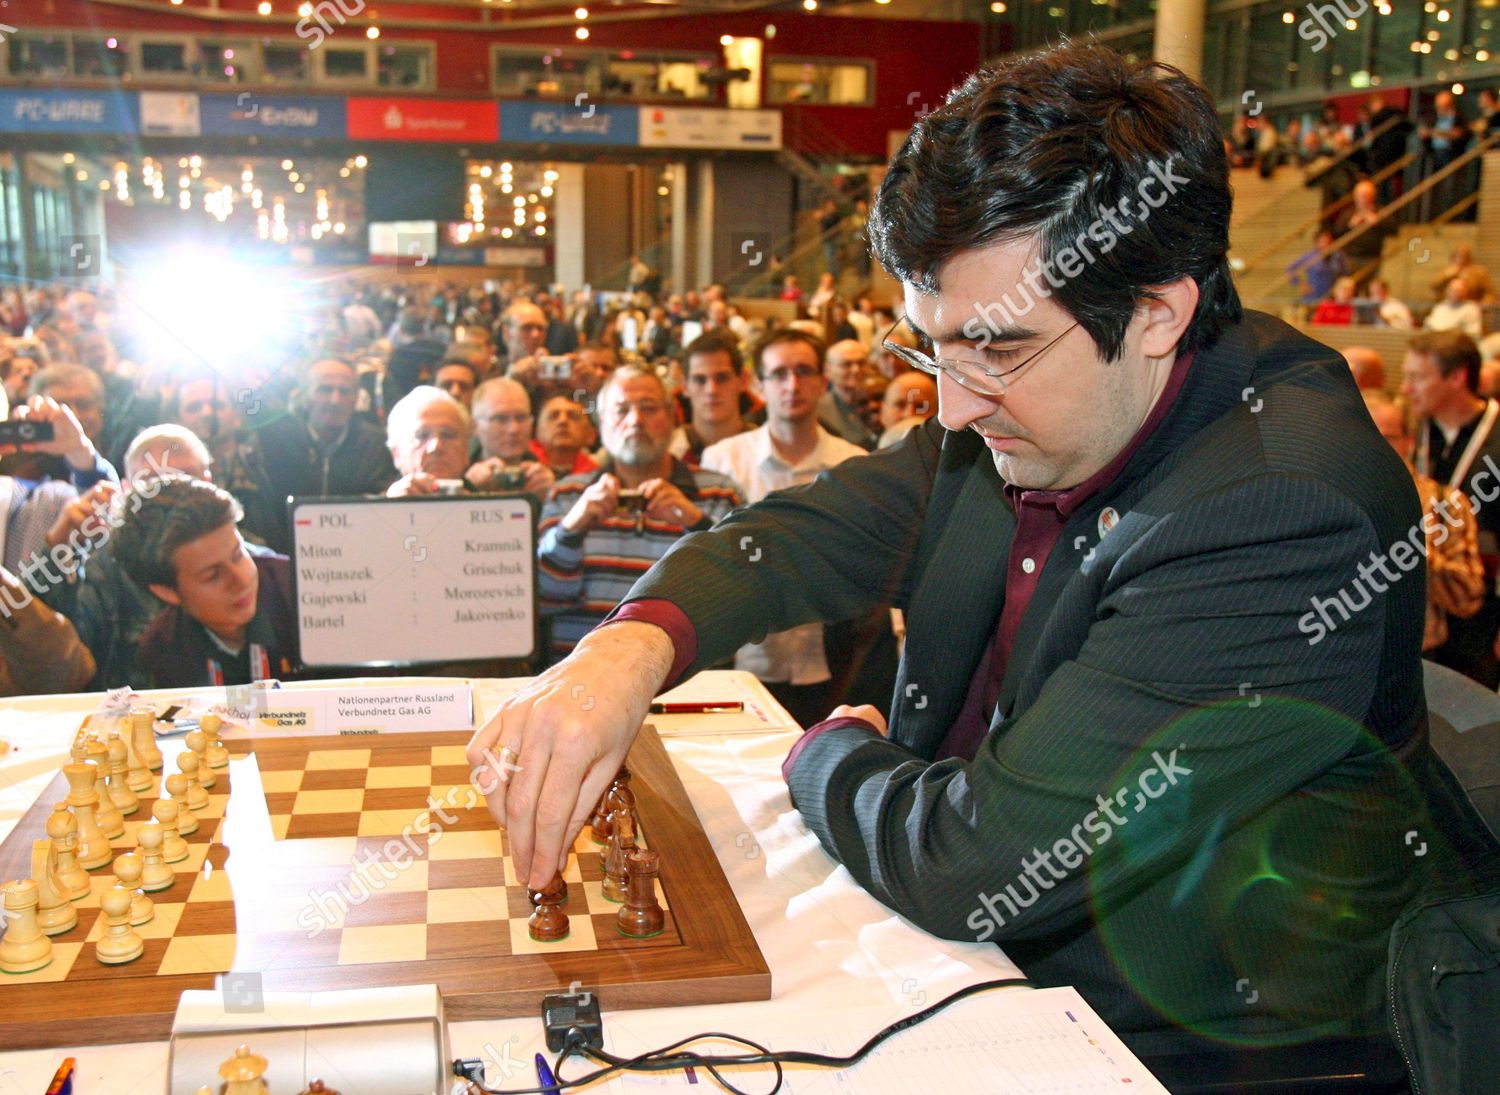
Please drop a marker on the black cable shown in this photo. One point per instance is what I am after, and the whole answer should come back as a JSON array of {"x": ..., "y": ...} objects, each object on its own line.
[{"x": 666, "y": 1060}]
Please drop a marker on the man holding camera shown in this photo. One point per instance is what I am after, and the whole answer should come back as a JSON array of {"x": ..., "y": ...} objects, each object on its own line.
[
  {"x": 502, "y": 427},
  {"x": 428, "y": 437},
  {"x": 602, "y": 530}
]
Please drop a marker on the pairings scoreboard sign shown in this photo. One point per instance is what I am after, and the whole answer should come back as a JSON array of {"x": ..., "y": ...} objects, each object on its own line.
[{"x": 406, "y": 581}]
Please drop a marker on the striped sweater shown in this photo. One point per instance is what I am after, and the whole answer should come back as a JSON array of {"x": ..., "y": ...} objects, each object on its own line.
[{"x": 580, "y": 579}]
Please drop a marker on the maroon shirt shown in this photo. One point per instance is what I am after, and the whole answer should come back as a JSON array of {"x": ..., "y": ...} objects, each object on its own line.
[{"x": 1041, "y": 516}]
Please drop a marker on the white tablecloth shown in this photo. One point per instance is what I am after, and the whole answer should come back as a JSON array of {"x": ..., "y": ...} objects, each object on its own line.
[{"x": 830, "y": 946}]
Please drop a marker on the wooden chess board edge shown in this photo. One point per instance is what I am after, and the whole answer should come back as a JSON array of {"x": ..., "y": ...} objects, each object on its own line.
[{"x": 717, "y": 961}]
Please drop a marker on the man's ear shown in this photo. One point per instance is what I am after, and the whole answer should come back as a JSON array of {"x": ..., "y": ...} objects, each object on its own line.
[
  {"x": 1168, "y": 314},
  {"x": 165, "y": 593}
]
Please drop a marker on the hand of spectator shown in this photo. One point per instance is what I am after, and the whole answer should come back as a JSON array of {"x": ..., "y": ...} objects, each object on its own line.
[
  {"x": 525, "y": 371},
  {"x": 540, "y": 479},
  {"x": 412, "y": 486},
  {"x": 95, "y": 500},
  {"x": 864, "y": 711},
  {"x": 667, "y": 504},
  {"x": 549, "y": 752},
  {"x": 598, "y": 501},
  {"x": 68, "y": 439},
  {"x": 482, "y": 473}
]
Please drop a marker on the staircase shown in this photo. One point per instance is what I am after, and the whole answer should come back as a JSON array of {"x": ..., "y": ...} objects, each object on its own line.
[{"x": 1265, "y": 211}]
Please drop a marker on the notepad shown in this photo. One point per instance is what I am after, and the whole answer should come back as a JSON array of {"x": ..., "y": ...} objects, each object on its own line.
[{"x": 1020, "y": 1040}]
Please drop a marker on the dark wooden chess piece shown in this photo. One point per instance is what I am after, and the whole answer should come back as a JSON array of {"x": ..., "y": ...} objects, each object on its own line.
[
  {"x": 621, "y": 816},
  {"x": 599, "y": 819},
  {"x": 548, "y": 922},
  {"x": 641, "y": 917},
  {"x": 318, "y": 1087}
]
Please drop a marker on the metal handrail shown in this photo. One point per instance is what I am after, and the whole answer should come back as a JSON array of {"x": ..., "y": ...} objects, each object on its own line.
[
  {"x": 792, "y": 258},
  {"x": 1424, "y": 187},
  {"x": 1337, "y": 207},
  {"x": 1362, "y": 145}
]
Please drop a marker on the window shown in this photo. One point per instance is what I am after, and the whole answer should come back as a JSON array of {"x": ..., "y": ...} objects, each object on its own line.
[
  {"x": 164, "y": 59},
  {"x": 834, "y": 83},
  {"x": 100, "y": 59},
  {"x": 405, "y": 67},
  {"x": 284, "y": 63},
  {"x": 547, "y": 73},
  {"x": 1395, "y": 33},
  {"x": 345, "y": 64},
  {"x": 227, "y": 61},
  {"x": 632, "y": 75},
  {"x": 1270, "y": 62},
  {"x": 41, "y": 56}
]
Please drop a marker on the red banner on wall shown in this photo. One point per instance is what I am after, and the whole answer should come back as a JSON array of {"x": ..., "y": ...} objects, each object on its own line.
[{"x": 423, "y": 120}]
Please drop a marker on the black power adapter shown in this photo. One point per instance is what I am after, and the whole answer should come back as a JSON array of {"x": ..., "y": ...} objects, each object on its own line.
[{"x": 574, "y": 1018}]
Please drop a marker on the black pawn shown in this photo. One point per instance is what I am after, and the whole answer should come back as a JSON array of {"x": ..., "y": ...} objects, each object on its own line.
[{"x": 548, "y": 922}]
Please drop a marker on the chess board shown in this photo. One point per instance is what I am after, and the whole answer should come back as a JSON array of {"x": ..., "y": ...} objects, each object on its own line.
[{"x": 348, "y": 862}]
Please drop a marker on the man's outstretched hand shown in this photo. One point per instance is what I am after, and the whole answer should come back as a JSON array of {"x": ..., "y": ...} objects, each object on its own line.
[{"x": 549, "y": 753}]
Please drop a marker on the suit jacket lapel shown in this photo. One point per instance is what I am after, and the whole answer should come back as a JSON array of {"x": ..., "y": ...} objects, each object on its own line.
[{"x": 956, "y": 603}]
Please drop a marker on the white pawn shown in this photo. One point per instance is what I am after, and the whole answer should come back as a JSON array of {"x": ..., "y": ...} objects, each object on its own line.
[
  {"x": 197, "y": 797},
  {"x": 176, "y": 785},
  {"x": 24, "y": 948},
  {"x": 106, "y": 813},
  {"x": 93, "y": 845},
  {"x": 55, "y": 913},
  {"x": 143, "y": 737},
  {"x": 197, "y": 741},
  {"x": 62, "y": 830},
  {"x": 242, "y": 1073},
  {"x": 155, "y": 875},
  {"x": 216, "y": 755},
  {"x": 125, "y": 799},
  {"x": 128, "y": 869},
  {"x": 173, "y": 848},
  {"x": 121, "y": 943}
]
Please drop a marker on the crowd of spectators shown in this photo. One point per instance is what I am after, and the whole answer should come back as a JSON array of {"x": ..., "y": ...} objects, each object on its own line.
[
  {"x": 1363, "y": 167},
  {"x": 146, "y": 542}
]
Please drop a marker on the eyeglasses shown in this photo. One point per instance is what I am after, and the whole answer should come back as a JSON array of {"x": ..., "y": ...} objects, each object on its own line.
[
  {"x": 796, "y": 372},
  {"x": 984, "y": 377}
]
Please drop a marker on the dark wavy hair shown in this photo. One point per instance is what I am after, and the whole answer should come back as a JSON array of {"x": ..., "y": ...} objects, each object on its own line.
[{"x": 1044, "y": 145}]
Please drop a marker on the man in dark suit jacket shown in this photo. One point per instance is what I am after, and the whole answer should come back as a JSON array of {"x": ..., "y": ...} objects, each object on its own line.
[
  {"x": 1159, "y": 726},
  {"x": 322, "y": 449}
]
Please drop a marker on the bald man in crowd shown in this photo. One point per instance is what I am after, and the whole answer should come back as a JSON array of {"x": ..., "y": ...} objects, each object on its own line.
[
  {"x": 910, "y": 400},
  {"x": 525, "y": 328},
  {"x": 321, "y": 449},
  {"x": 840, "y": 409},
  {"x": 564, "y": 435},
  {"x": 503, "y": 425},
  {"x": 1367, "y": 366}
]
